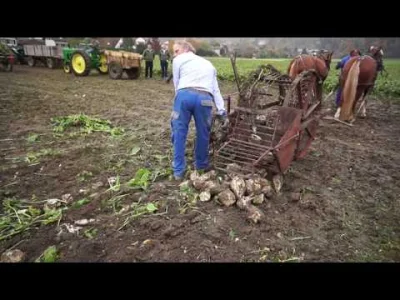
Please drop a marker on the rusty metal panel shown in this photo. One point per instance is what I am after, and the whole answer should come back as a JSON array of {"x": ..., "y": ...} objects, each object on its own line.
[{"x": 286, "y": 147}]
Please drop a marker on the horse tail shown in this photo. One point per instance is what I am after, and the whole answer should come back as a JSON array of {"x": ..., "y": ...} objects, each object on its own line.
[
  {"x": 291, "y": 68},
  {"x": 349, "y": 92}
]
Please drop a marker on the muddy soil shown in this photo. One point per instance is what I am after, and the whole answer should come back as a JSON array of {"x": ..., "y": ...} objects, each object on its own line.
[{"x": 349, "y": 181}]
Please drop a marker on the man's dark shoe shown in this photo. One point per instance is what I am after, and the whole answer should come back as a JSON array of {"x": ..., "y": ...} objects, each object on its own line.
[
  {"x": 202, "y": 171},
  {"x": 178, "y": 178}
]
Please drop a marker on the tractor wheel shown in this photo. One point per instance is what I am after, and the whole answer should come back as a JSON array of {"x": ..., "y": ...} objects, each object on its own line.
[
  {"x": 133, "y": 73},
  {"x": 115, "y": 70},
  {"x": 103, "y": 67},
  {"x": 80, "y": 63},
  {"x": 67, "y": 67},
  {"x": 31, "y": 61},
  {"x": 50, "y": 63}
]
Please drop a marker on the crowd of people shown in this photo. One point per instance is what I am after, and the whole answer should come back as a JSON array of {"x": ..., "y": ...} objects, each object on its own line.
[{"x": 149, "y": 56}]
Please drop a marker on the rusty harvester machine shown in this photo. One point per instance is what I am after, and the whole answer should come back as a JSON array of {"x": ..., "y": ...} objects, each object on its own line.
[{"x": 273, "y": 124}]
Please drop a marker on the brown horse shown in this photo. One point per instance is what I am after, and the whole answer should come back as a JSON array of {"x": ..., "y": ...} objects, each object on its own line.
[
  {"x": 321, "y": 63},
  {"x": 357, "y": 80}
]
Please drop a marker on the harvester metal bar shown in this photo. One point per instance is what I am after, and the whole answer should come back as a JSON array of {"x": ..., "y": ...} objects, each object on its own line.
[
  {"x": 230, "y": 159},
  {"x": 252, "y": 144},
  {"x": 277, "y": 81},
  {"x": 310, "y": 110},
  {"x": 249, "y": 148},
  {"x": 261, "y": 157},
  {"x": 285, "y": 141},
  {"x": 224, "y": 169},
  {"x": 321, "y": 116},
  {"x": 235, "y": 72},
  {"x": 236, "y": 155},
  {"x": 251, "y": 131},
  {"x": 234, "y": 151},
  {"x": 247, "y": 137},
  {"x": 337, "y": 120},
  {"x": 258, "y": 111},
  {"x": 258, "y": 125},
  {"x": 306, "y": 123},
  {"x": 223, "y": 146}
]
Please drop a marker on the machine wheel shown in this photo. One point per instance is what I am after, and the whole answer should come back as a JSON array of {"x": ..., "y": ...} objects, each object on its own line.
[
  {"x": 67, "y": 67},
  {"x": 8, "y": 67},
  {"x": 306, "y": 137},
  {"x": 304, "y": 95},
  {"x": 133, "y": 73},
  {"x": 31, "y": 61},
  {"x": 103, "y": 66},
  {"x": 115, "y": 70},
  {"x": 50, "y": 63},
  {"x": 80, "y": 63}
]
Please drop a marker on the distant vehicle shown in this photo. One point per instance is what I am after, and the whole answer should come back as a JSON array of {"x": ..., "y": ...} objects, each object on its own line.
[
  {"x": 7, "y": 57},
  {"x": 50, "y": 54},
  {"x": 11, "y": 42}
]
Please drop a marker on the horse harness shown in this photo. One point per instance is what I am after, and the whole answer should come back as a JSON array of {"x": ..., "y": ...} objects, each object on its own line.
[
  {"x": 369, "y": 83},
  {"x": 315, "y": 67}
]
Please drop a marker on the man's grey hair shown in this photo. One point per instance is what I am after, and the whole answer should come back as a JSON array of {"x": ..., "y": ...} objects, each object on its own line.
[{"x": 185, "y": 45}]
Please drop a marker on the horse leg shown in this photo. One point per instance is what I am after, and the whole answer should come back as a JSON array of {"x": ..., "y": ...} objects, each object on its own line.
[
  {"x": 360, "y": 91},
  {"x": 364, "y": 108},
  {"x": 364, "y": 103},
  {"x": 337, "y": 114}
]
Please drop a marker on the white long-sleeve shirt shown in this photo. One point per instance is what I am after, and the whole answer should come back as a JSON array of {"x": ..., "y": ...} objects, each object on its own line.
[{"x": 192, "y": 71}]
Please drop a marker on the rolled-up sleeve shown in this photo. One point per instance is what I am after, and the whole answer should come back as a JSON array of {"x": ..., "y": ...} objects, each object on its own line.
[{"x": 219, "y": 101}]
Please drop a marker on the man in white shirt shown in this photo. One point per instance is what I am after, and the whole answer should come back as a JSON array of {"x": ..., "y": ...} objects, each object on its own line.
[{"x": 196, "y": 90}]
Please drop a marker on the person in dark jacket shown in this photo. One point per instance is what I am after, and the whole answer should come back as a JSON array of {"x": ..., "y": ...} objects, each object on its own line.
[
  {"x": 164, "y": 57},
  {"x": 148, "y": 56},
  {"x": 169, "y": 78}
]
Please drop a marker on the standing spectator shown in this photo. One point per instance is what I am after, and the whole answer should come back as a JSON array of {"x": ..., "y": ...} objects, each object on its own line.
[
  {"x": 148, "y": 56},
  {"x": 164, "y": 57}
]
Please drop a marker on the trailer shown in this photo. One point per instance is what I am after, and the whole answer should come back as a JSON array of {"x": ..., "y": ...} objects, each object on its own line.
[
  {"x": 123, "y": 61},
  {"x": 49, "y": 54}
]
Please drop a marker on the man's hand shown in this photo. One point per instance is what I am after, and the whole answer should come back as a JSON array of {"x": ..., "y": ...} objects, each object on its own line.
[{"x": 223, "y": 119}]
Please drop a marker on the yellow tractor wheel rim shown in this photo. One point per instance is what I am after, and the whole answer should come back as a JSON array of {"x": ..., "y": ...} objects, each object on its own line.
[
  {"x": 78, "y": 63},
  {"x": 66, "y": 68},
  {"x": 103, "y": 63}
]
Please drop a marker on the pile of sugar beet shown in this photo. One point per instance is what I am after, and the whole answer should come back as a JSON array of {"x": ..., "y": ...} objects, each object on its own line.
[{"x": 234, "y": 188}]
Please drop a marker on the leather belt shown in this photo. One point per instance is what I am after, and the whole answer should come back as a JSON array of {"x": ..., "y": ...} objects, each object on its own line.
[{"x": 199, "y": 91}]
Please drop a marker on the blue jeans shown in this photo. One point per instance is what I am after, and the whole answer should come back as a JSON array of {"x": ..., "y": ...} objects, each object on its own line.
[
  {"x": 338, "y": 96},
  {"x": 190, "y": 103}
]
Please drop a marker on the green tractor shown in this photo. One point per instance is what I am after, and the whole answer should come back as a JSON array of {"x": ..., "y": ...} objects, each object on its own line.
[{"x": 82, "y": 59}]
